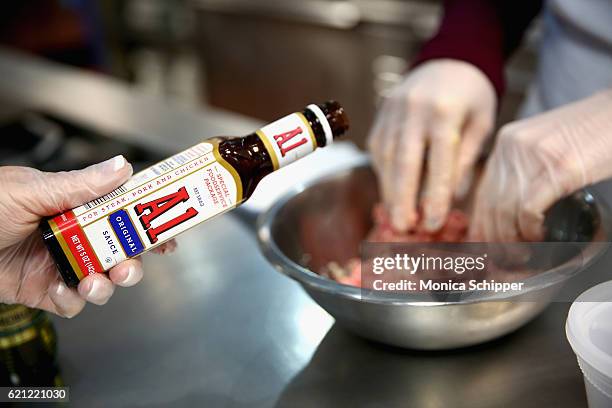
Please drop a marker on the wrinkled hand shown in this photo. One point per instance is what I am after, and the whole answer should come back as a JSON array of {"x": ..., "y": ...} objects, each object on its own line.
[
  {"x": 27, "y": 273},
  {"x": 448, "y": 107},
  {"x": 538, "y": 161}
]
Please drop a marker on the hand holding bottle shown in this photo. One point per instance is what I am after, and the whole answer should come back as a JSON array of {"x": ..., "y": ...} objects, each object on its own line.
[{"x": 27, "y": 273}]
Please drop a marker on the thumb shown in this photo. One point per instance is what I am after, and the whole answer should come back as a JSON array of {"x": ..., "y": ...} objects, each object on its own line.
[{"x": 66, "y": 190}]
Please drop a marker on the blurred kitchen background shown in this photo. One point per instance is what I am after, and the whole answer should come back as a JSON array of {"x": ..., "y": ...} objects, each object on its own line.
[{"x": 254, "y": 59}]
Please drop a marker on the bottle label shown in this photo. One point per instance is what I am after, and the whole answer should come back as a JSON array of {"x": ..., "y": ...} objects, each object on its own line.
[
  {"x": 153, "y": 206},
  {"x": 288, "y": 139},
  {"x": 18, "y": 325}
]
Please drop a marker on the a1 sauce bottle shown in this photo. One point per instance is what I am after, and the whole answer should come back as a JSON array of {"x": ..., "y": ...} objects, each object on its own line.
[{"x": 182, "y": 191}]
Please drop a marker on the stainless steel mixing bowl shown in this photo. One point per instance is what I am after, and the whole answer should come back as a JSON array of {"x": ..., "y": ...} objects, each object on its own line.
[{"x": 326, "y": 220}]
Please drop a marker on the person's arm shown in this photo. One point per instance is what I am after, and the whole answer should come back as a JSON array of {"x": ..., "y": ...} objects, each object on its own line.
[{"x": 483, "y": 33}]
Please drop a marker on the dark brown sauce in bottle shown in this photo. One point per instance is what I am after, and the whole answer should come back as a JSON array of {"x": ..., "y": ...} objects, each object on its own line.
[{"x": 251, "y": 159}]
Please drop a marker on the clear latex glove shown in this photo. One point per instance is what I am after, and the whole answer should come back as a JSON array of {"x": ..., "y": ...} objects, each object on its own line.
[
  {"x": 27, "y": 273},
  {"x": 536, "y": 162},
  {"x": 443, "y": 107}
]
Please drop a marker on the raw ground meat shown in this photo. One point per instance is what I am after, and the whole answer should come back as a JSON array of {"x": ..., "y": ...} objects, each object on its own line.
[{"x": 454, "y": 231}]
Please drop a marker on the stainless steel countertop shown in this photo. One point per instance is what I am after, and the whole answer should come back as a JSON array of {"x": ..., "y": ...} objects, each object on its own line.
[{"x": 215, "y": 325}]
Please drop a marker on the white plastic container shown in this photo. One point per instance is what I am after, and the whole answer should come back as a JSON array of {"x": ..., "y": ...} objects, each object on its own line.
[{"x": 589, "y": 331}]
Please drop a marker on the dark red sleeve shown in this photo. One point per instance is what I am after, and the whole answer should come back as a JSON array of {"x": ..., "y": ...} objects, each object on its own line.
[{"x": 481, "y": 32}]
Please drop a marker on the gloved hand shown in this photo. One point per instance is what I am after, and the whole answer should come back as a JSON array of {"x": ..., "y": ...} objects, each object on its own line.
[
  {"x": 27, "y": 273},
  {"x": 447, "y": 107},
  {"x": 536, "y": 162}
]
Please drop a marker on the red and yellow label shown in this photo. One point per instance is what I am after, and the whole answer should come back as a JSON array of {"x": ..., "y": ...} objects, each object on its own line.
[
  {"x": 75, "y": 244},
  {"x": 152, "y": 207}
]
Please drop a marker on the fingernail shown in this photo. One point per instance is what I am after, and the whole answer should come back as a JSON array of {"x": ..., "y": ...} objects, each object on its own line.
[
  {"x": 115, "y": 164},
  {"x": 130, "y": 277},
  {"x": 69, "y": 315},
  {"x": 61, "y": 288},
  {"x": 433, "y": 223},
  {"x": 398, "y": 219},
  {"x": 95, "y": 291}
]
